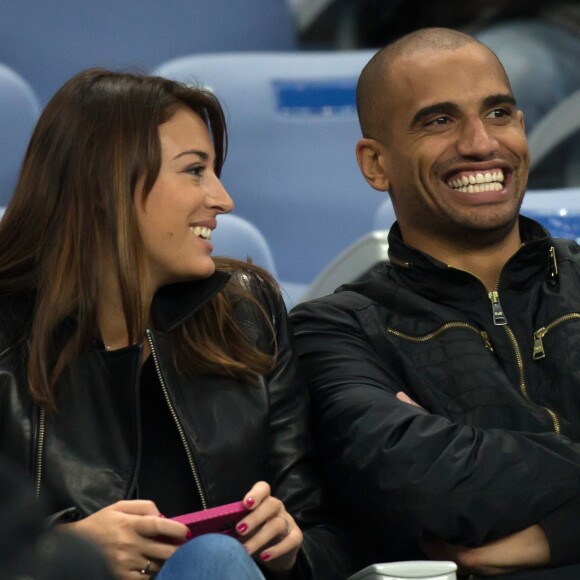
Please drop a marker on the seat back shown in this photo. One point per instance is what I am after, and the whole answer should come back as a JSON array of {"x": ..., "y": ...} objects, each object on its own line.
[
  {"x": 555, "y": 147},
  {"x": 19, "y": 111},
  {"x": 558, "y": 210},
  {"x": 384, "y": 216},
  {"x": 48, "y": 42},
  {"x": 237, "y": 238},
  {"x": 291, "y": 166}
]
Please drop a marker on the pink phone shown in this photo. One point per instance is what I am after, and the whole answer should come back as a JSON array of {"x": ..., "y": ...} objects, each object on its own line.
[{"x": 218, "y": 520}]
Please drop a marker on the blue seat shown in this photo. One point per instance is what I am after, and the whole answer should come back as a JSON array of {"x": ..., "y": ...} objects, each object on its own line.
[
  {"x": 237, "y": 238},
  {"x": 385, "y": 215},
  {"x": 291, "y": 165},
  {"x": 558, "y": 210},
  {"x": 48, "y": 42},
  {"x": 19, "y": 111}
]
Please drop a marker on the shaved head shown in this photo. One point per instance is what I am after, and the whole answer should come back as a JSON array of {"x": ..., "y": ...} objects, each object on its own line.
[{"x": 372, "y": 91}]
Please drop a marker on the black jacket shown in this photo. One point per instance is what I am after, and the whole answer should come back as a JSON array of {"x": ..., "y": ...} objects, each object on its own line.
[
  {"x": 495, "y": 448},
  {"x": 87, "y": 456}
]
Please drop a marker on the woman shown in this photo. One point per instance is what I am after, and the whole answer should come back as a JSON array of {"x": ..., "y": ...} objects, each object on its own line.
[{"x": 138, "y": 375}]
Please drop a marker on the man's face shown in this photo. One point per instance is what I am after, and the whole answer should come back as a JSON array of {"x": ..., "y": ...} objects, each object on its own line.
[{"x": 455, "y": 152}]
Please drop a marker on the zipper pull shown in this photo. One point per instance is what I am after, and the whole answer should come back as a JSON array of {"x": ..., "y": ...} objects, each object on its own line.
[
  {"x": 553, "y": 263},
  {"x": 486, "y": 341},
  {"x": 539, "y": 351},
  {"x": 499, "y": 318}
]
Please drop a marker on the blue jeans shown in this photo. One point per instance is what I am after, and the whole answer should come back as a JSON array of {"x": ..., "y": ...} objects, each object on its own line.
[{"x": 211, "y": 557}]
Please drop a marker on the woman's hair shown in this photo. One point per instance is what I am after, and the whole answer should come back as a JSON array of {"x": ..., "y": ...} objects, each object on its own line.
[{"x": 96, "y": 138}]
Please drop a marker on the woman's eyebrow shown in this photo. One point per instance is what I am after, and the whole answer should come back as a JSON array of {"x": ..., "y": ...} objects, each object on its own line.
[{"x": 202, "y": 154}]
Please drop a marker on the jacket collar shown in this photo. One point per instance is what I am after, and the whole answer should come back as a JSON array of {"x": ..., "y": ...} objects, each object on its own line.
[
  {"x": 175, "y": 303},
  {"x": 431, "y": 278}
]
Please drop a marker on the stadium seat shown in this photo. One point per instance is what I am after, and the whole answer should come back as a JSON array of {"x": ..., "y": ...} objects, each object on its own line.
[
  {"x": 555, "y": 147},
  {"x": 291, "y": 165},
  {"x": 558, "y": 210},
  {"x": 237, "y": 238},
  {"x": 19, "y": 111}
]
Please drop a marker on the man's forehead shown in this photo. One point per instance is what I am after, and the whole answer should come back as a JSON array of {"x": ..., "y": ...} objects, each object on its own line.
[{"x": 426, "y": 77}]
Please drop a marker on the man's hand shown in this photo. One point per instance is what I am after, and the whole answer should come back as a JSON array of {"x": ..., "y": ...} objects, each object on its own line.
[{"x": 527, "y": 548}]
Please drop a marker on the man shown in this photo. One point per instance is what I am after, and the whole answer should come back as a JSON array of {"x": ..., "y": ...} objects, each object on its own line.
[{"x": 446, "y": 387}]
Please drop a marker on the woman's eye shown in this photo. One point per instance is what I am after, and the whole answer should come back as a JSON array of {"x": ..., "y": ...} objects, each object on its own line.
[{"x": 196, "y": 170}]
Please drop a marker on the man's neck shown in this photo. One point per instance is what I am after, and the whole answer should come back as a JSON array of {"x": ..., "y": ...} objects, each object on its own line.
[{"x": 483, "y": 260}]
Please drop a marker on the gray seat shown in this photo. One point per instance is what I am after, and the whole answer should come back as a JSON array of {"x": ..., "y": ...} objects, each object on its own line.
[{"x": 555, "y": 147}]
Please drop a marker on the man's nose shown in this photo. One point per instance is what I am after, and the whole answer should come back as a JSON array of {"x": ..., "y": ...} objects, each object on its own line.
[{"x": 476, "y": 140}]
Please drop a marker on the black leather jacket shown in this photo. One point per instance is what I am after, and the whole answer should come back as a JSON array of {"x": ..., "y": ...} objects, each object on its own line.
[
  {"x": 88, "y": 455},
  {"x": 495, "y": 448}
]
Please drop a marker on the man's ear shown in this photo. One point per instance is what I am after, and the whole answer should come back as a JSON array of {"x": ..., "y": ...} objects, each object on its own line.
[
  {"x": 522, "y": 120},
  {"x": 371, "y": 160}
]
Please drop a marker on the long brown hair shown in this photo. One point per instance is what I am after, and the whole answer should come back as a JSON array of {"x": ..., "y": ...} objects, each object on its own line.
[{"x": 94, "y": 140}]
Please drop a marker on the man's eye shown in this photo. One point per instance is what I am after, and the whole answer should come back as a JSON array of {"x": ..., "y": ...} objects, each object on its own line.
[
  {"x": 439, "y": 121},
  {"x": 499, "y": 113}
]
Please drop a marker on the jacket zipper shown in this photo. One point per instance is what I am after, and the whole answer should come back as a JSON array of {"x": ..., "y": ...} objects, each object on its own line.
[
  {"x": 523, "y": 388},
  {"x": 443, "y": 328},
  {"x": 539, "y": 352},
  {"x": 178, "y": 424},
  {"x": 499, "y": 318},
  {"x": 39, "y": 451}
]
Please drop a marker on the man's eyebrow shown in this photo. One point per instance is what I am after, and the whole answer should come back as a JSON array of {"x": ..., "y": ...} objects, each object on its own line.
[
  {"x": 501, "y": 99},
  {"x": 202, "y": 154},
  {"x": 446, "y": 108}
]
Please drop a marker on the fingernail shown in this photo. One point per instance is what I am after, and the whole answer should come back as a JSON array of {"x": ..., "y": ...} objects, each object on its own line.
[
  {"x": 265, "y": 556},
  {"x": 161, "y": 516},
  {"x": 241, "y": 528},
  {"x": 250, "y": 502},
  {"x": 189, "y": 535}
]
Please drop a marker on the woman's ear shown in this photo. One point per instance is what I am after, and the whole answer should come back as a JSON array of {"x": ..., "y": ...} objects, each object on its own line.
[{"x": 371, "y": 160}]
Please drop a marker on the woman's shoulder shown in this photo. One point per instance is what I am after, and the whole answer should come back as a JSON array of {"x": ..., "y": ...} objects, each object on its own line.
[{"x": 248, "y": 279}]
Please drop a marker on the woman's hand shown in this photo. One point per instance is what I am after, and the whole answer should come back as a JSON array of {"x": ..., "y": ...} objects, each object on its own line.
[
  {"x": 269, "y": 531},
  {"x": 132, "y": 536}
]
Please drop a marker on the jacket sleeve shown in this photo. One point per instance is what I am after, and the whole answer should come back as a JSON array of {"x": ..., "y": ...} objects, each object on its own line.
[
  {"x": 561, "y": 528},
  {"x": 294, "y": 476},
  {"x": 406, "y": 473}
]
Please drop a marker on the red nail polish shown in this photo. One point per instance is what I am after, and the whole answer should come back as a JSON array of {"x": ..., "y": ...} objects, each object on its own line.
[
  {"x": 189, "y": 535},
  {"x": 265, "y": 556},
  {"x": 241, "y": 528},
  {"x": 250, "y": 502}
]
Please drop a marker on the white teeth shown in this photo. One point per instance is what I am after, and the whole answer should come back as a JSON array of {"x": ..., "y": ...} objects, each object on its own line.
[
  {"x": 476, "y": 182},
  {"x": 477, "y": 188},
  {"x": 201, "y": 232}
]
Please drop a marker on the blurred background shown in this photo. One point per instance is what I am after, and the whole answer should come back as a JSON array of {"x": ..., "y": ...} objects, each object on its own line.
[{"x": 286, "y": 71}]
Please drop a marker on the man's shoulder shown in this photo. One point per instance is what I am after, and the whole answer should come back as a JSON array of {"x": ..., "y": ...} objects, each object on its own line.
[{"x": 360, "y": 302}]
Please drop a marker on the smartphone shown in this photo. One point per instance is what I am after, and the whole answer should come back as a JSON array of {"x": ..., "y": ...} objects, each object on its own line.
[{"x": 217, "y": 520}]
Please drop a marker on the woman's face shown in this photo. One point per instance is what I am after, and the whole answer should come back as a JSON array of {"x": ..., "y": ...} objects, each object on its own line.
[{"x": 178, "y": 216}]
